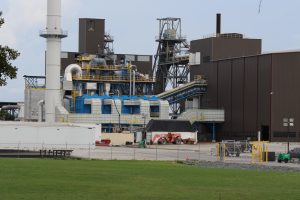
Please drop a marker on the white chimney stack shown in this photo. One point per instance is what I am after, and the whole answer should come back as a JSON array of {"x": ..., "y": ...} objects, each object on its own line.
[{"x": 53, "y": 33}]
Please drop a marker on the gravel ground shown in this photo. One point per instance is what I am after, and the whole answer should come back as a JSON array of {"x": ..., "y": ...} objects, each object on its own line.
[{"x": 244, "y": 166}]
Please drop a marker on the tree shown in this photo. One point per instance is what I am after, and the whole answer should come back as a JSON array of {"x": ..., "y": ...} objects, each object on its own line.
[{"x": 7, "y": 70}]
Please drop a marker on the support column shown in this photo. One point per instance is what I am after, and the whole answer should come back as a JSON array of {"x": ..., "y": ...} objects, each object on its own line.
[{"x": 213, "y": 132}]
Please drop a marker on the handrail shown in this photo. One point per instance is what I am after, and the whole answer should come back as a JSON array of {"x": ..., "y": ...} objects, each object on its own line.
[
  {"x": 111, "y": 78},
  {"x": 104, "y": 67}
]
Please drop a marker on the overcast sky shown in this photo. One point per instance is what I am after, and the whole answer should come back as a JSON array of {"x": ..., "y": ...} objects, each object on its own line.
[{"x": 134, "y": 27}]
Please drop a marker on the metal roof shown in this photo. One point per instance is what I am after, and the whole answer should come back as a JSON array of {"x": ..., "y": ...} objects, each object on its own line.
[{"x": 169, "y": 125}]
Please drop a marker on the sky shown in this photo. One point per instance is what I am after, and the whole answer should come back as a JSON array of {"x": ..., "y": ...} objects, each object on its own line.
[{"x": 133, "y": 25}]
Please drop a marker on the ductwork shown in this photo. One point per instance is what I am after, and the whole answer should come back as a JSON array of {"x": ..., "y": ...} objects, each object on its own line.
[{"x": 70, "y": 70}]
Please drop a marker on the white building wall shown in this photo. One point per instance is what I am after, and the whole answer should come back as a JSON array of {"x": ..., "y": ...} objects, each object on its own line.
[{"x": 97, "y": 117}]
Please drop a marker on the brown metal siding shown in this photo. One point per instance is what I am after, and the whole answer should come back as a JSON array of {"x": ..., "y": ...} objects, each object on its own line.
[
  {"x": 224, "y": 93},
  {"x": 204, "y": 46},
  {"x": 210, "y": 72},
  {"x": 250, "y": 96},
  {"x": 227, "y": 48},
  {"x": 91, "y": 35},
  {"x": 244, "y": 89},
  {"x": 237, "y": 97},
  {"x": 218, "y": 48},
  {"x": 286, "y": 95},
  {"x": 264, "y": 89}
]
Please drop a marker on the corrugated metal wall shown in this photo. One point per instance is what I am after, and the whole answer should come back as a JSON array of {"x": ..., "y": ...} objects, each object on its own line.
[
  {"x": 285, "y": 95},
  {"x": 244, "y": 88}
]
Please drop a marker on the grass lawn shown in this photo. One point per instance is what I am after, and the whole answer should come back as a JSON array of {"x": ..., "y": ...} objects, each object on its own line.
[{"x": 80, "y": 179}]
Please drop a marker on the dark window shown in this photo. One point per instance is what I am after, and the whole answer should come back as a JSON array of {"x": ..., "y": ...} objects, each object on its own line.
[{"x": 106, "y": 109}]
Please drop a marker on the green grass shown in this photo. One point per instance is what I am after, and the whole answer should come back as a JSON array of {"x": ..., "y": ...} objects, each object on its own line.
[{"x": 122, "y": 180}]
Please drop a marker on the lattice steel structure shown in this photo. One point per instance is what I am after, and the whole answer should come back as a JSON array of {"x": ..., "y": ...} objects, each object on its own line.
[
  {"x": 171, "y": 61},
  {"x": 170, "y": 67}
]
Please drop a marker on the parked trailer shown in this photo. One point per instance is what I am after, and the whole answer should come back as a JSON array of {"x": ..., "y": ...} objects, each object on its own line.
[{"x": 43, "y": 136}]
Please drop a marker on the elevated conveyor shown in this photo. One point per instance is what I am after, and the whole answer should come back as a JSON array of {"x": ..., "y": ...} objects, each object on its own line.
[{"x": 185, "y": 91}]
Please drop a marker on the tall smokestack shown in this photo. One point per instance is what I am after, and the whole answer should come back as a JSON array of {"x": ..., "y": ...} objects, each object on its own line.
[
  {"x": 53, "y": 33},
  {"x": 218, "y": 28}
]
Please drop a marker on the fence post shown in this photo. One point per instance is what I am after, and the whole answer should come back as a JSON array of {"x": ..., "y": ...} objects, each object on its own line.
[
  {"x": 133, "y": 153},
  {"x": 111, "y": 154},
  {"x": 19, "y": 150},
  {"x": 89, "y": 150}
]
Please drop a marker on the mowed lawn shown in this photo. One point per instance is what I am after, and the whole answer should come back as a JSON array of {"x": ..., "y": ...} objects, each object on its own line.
[{"x": 122, "y": 180}]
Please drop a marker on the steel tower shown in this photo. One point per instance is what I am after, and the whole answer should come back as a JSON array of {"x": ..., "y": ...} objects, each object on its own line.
[{"x": 170, "y": 67}]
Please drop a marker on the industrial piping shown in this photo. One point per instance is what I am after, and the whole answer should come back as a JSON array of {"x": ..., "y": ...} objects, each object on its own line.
[
  {"x": 53, "y": 33},
  {"x": 70, "y": 70}
]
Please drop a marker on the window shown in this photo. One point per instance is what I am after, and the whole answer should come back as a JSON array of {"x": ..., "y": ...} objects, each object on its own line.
[
  {"x": 106, "y": 109},
  {"x": 131, "y": 109}
]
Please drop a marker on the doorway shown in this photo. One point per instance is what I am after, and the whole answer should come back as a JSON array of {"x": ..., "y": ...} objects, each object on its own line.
[{"x": 265, "y": 133}]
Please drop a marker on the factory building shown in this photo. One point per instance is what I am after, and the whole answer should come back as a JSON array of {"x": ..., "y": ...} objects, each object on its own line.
[
  {"x": 99, "y": 86},
  {"x": 257, "y": 91},
  {"x": 93, "y": 40}
]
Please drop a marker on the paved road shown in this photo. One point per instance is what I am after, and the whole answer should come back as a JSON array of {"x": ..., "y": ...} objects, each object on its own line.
[{"x": 202, "y": 152}]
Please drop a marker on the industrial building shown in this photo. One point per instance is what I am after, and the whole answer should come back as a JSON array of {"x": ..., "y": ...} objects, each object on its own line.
[
  {"x": 257, "y": 91},
  {"x": 222, "y": 84},
  {"x": 94, "y": 40},
  {"x": 98, "y": 86}
]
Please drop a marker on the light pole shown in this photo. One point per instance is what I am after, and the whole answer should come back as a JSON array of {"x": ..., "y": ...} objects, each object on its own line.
[
  {"x": 144, "y": 115},
  {"x": 118, "y": 114},
  {"x": 288, "y": 122}
]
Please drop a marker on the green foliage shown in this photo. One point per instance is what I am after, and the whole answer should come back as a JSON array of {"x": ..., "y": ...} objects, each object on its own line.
[
  {"x": 7, "y": 70},
  {"x": 5, "y": 115},
  {"x": 82, "y": 179}
]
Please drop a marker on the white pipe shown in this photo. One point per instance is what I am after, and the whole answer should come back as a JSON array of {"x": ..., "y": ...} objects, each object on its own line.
[
  {"x": 40, "y": 110},
  {"x": 130, "y": 81},
  {"x": 53, "y": 34},
  {"x": 70, "y": 70},
  {"x": 133, "y": 87}
]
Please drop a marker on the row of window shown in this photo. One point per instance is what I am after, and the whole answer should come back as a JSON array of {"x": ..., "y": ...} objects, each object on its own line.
[{"x": 125, "y": 109}]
